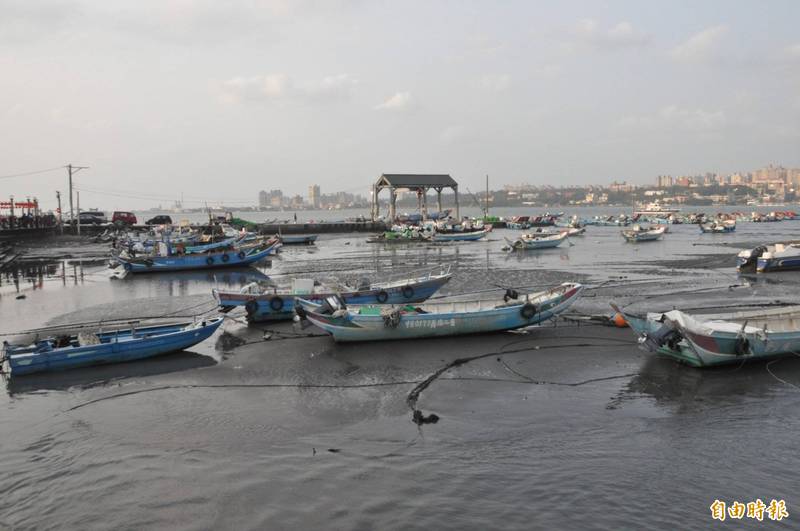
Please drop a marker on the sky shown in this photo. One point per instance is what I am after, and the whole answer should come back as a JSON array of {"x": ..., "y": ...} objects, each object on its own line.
[{"x": 219, "y": 99}]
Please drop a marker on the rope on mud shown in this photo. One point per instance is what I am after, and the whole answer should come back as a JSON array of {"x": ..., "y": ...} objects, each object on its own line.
[
  {"x": 781, "y": 379},
  {"x": 413, "y": 397},
  {"x": 240, "y": 386}
]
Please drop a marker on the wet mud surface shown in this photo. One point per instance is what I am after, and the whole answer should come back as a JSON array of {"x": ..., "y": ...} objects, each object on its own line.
[{"x": 567, "y": 425}]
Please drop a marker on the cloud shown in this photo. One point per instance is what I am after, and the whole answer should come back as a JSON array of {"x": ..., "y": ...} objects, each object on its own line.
[
  {"x": 676, "y": 117},
  {"x": 496, "y": 82},
  {"x": 793, "y": 51},
  {"x": 400, "y": 101},
  {"x": 23, "y": 20},
  {"x": 452, "y": 134},
  {"x": 701, "y": 46},
  {"x": 623, "y": 35},
  {"x": 281, "y": 87}
]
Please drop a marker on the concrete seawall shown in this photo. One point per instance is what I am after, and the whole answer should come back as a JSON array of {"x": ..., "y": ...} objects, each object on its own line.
[
  {"x": 11, "y": 235},
  {"x": 321, "y": 228},
  {"x": 263, "y": 228}
]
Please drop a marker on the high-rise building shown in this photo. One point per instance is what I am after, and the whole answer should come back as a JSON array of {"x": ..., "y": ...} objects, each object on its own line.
[
  {"x": 770, "y": 173},
  {"x": 263, "y": 199},
  {"x": 313, "y": 195},
  {"x": 664, "y": 181},
  {"x": 276, "y": 198}
]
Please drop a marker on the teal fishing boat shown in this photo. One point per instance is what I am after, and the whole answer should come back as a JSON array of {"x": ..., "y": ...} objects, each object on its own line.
[
  {"x": 438, "y": 319},
  {"x": 717, "y": 339}
]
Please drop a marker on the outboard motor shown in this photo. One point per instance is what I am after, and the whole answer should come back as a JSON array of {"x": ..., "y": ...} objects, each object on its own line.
[
  {"x": 510, "y": 294},
  {"x": 664, "y": 336}
]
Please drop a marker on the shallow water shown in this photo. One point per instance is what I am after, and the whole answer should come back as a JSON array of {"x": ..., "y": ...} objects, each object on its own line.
[{"x": 568, "y": 426}]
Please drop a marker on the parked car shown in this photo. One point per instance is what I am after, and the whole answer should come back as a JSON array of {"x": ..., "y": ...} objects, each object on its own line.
[
  {"x": 92, "y": 217},
  {"x": 123, "y": 218},
  {"x": 159, "y": 220}
]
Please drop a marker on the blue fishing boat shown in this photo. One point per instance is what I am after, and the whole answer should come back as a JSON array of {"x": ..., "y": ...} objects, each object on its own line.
[
  {"x": 438, "y": 319},
  {"x": 718, "y": 339},
  {"x": 271, "y": 303},
  {"x": 84, "y": 349},
  {"x": 239, "y": 257},
  {"x": 778, "y": 257}
]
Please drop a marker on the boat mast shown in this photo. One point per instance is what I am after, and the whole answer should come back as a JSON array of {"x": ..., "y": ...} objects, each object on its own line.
[{"x": 486, "y": 210}]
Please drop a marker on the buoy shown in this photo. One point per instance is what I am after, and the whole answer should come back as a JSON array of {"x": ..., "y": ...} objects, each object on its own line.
[{"x": 619, "y": 321}]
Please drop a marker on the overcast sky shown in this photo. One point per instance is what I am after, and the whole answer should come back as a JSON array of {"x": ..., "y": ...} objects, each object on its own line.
[{"x": 220, "y": 99}]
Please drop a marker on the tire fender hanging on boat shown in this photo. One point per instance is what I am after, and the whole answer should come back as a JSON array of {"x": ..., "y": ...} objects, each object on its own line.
[
  {"x": 251, "y": 307},
  {"x": 241, "y": 255},
  {"x": 210, "y": 260},
  {"x": 408, "y": 292},
  {"x": 382, "y": 296},
  {"x": 276, "y": 303},
  {"x": 528, "y": 310},
  {"x": 225, "y": 257}
]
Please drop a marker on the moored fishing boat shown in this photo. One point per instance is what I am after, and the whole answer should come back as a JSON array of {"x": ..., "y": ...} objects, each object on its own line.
[
  {"x": 779, "y": 257},
  {"x": 640, "y": 234},
  {"x": 718, "y": 227},
  {"x": 236, "y": 257},
  {"x": 298, "y": 239},
  {"x": 716, "y": 339},
  {"x": 272, "y": 303},
  {"x": 537, "y": 241},
  {"x": 438, "y": 319},
  {"x": 462, "y": 236},
  {"x": 84, "y": 349}
]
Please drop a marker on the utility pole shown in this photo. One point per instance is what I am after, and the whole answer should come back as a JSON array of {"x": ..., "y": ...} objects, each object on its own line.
[
  {"x": 60, "y": 217},
  {"x": 72, "y": 170},
  {"x": 79, "y": 213}
]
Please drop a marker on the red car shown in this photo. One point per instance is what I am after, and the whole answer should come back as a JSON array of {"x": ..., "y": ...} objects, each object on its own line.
[{"x": 124, "y": 218}]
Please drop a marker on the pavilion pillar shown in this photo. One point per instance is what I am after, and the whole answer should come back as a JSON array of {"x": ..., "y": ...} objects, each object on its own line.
[
  {"x": 392, "y": 205},
  {"x": 458, "y": 211},
  {"x": 374, "y": 201},
  {"x": 424, "y": 204},
  {"x": 439, "y": 200}
]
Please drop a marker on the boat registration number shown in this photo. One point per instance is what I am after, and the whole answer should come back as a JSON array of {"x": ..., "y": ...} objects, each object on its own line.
[{"x": 430, "y": 323}]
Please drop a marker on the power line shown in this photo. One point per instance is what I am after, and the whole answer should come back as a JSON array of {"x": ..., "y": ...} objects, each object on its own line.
[
  {"x": 11, "y": 176},
  {"x": 140, "y": 195}
]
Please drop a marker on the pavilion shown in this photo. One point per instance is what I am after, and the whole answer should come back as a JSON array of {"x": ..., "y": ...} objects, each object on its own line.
[{"x": 412, "y": 182}]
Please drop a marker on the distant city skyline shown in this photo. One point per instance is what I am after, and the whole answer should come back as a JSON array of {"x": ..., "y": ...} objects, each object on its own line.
[{"x": 222, "y": 100}]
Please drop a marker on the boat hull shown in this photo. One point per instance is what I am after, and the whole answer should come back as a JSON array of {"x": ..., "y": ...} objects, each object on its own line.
[
  {"x": 524, "y": 244},
  {"x": 459, "y": 236},
  {"x": 774, "y": 265},
  {"x": 166, "y": 339},
  {"x": 352, "y": 327},
  {"x": 302, "y": 239}
]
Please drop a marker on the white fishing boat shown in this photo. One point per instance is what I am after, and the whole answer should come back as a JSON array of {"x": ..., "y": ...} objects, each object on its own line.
[
  {"x": 637, "y": 233},
  {"x": 537, "y": 241}
]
